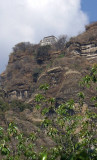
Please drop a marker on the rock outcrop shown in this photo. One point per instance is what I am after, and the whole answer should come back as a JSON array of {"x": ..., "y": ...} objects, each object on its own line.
[
  {"x": 31, "y": 65},
  {"x": 85, "y": 44},
  {"x": 22, "y": 71}
]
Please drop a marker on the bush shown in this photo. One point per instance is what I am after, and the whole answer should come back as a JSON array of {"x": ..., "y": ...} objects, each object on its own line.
[
  {"x": 19, "y": 106},
  {"x": 36, "y": 74},
  {"x": 74, "y": 132},
  {"x": 23, "y": 46},
  {"x": 43, "y": 54},
  {"x": 61, "y": 42},
  {"x": 4, "y": 106}
]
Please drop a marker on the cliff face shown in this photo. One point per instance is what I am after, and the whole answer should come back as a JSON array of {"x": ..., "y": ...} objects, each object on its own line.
[
  {"x": 31, "y": 65},
  {"x": 85, "y": 44},
  {"x": 22, "y": 71}
]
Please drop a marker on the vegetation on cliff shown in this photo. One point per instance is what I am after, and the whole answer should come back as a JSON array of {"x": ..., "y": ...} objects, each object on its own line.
[
  {"x": 40, "y": 96},
  {"x": 73, "y": 128}
]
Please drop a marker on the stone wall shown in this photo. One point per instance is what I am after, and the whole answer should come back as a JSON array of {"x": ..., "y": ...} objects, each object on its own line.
[
  {"x": 48, "y": 40},
  {"x": 89, "y": 50},
  {"x": 20, "y": 95}
]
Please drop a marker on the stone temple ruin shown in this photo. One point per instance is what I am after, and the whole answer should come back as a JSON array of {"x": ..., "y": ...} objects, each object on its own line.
[{"x": 50, "y": 40}]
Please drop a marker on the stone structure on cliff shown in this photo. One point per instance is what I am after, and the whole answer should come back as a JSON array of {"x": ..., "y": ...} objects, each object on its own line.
[
  {"x": 48, "y": 40},
  {"x": 62, "y": 70}
]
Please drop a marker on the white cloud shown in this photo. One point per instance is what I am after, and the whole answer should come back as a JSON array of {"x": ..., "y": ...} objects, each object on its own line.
[{"x": 31, "y": 20}]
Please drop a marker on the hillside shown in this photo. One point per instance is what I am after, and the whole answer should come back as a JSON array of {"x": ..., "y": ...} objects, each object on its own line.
[{"x": 29, "y": 66}]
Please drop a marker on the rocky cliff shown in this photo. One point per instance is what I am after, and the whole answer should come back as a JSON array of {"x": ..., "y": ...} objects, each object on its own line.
[
  {"x": 85, "y": 44},
  {"x": 30, "y": 66},
  {"x": 24, "y": 66}
]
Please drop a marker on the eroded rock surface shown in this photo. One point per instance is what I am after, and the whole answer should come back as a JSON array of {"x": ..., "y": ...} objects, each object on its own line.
[
  {"x": 62, "y": 70},
  {"x": 30, "y": 65}
]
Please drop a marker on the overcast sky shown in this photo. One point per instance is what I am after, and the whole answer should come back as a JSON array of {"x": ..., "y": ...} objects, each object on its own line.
[{"x": 31, "y": 20}]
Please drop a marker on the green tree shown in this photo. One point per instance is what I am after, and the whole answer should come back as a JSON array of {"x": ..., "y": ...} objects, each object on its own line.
[{"x": 73, "y": 131}]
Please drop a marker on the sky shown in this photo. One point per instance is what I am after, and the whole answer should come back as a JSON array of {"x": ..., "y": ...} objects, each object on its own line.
[
  {"x": 90, "y": 8},
  {"x": 31, "y": 20}
]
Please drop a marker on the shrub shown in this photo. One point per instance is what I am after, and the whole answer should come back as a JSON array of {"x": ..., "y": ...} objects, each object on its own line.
[
  {"x": 61, "y": 42},
  {"x": 19, "y": 106},
  {"x": 4, "y": 106},
  {"x": 36, "y": 74},
  {"x": 74, "y": 132},
  {"x": 43, "y": 54}
]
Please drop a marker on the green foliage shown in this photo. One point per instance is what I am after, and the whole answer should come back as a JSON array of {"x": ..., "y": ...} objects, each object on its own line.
[
  {"x": 46, "y": 122},
  {"x": 74, "y": 133},
  {"x": 45, "y": 111},
  {"x": 39, "y": 97},
  {"x": 32, "y": 137},
  {"x": 12, "y": 129},
  {"x": 38, "y": 107},
  {"x": 69, "y": 138},
  {"x": 81, "y": 95},
  {"x": 44, "y": 87},
  {"x": 61, "y": 55},
  {"x": 24, "y": 145},
  {"x": 43, "y": 156},
  {"x": 81, "y": 98},
  {"x": 51, "y": 100},
  {"x": 90, "y": 78},
  {"x": 1, "y": 132},
  {"x": 4, "y": 148}
]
